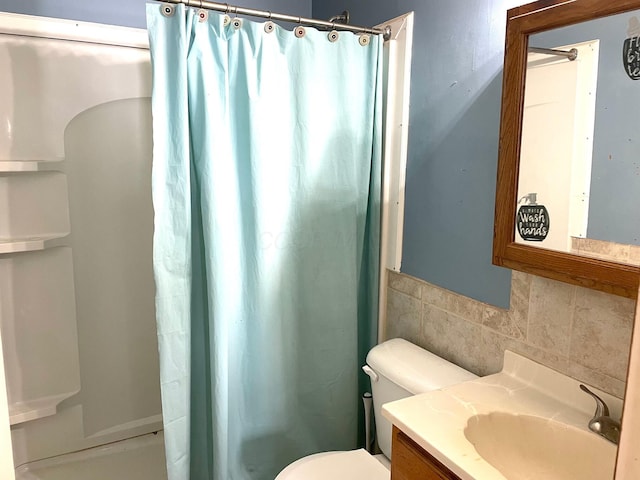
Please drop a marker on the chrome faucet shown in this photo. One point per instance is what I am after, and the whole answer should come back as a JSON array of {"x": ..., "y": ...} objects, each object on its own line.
[{"x": 602, "y": 423}]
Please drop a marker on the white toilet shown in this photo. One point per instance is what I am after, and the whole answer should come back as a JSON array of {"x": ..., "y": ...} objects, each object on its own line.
[{"x": 398, "y": 369}]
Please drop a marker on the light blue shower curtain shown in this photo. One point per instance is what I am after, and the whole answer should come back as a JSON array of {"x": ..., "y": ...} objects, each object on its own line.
[{"x": 266, "y": 188}]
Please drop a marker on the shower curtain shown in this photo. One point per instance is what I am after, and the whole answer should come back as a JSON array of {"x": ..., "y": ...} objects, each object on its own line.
[{"x": 266, "y": 190}]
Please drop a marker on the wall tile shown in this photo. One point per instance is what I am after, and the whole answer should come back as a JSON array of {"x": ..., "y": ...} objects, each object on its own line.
[
  {"x": 405, "y": 284},
  {"x": 460, "y": 305},
  {"x": 582, "y": 333},
  {"x": 520, "y": 300},
  {"x": 596, "y": 379},
  {"x": 503, "y": 321},
  {"x": 403, "y": 316},
  {"x": 492, "y": 355},
  {"x": 495, "y": 344},
  {"x": 435, "y": 296},
  {"x": 551, "y": 308},
  {"x": 450, "y": 336},
  {"x": 600, "y": 345},
  {"x": 512, "y": 322},
  {"x": 600, "y": 249},
  {"x": 465, "y": 307}
]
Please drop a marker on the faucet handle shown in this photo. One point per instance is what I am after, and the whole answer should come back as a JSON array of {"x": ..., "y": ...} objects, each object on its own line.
[
  {"x": 602, "y": 423},
  {"x": 601, "y": 408}
]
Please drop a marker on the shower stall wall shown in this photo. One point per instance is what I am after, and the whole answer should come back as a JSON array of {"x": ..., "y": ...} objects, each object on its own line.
[{"x": 77, "y": 315}]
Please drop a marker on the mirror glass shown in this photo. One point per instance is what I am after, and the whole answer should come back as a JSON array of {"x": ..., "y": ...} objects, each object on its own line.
[{"x": 579, "y": 176}]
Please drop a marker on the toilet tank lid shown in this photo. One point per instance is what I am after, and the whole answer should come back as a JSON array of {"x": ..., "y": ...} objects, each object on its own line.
[{"x": 413, "y": 368}]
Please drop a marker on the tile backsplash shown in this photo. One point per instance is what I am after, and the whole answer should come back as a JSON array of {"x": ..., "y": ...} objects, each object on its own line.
[
  {"x": 606, "y": 250},
  {"x": 582, "y": 333}
]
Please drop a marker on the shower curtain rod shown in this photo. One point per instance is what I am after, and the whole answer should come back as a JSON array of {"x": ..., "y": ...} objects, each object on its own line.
[
  {"x": 570, "y": 54},
  {"x": 226, "y": 8}
]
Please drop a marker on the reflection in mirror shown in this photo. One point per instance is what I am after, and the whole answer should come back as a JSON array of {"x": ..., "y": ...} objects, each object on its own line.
[
  {"x": 579, "y": 177},
  {"x": 600, "y": 213}
]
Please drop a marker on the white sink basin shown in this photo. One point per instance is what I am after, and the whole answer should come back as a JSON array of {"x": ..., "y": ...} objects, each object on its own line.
[{"x": 525, "y": 447}]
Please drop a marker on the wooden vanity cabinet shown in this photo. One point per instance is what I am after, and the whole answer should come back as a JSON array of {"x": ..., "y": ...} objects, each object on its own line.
[{"x": 409, "y": 461}]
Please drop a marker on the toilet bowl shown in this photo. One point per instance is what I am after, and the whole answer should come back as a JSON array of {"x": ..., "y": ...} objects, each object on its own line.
[
  {"x": 397, "y": 369},
  {"x": 352, "y": 465}
]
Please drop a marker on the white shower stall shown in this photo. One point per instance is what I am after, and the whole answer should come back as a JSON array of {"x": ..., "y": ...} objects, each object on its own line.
[{"x": 77, "y": 316}]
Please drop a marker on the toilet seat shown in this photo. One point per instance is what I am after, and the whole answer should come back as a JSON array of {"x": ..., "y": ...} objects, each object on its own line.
[{"x": 351, "y": 465}]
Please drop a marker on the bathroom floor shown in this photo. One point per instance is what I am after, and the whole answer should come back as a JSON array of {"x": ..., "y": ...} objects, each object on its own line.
[{"x": 140, "y": 458}]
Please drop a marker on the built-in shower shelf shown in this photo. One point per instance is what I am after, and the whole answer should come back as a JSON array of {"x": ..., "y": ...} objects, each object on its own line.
[
  {"x": 31, "y": 244},
  {"x": 18, "y": 166},
  {"x": 22, "y": 412}
]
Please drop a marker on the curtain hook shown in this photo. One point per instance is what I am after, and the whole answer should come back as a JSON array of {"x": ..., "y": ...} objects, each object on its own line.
[
  {"x": 269, "y": 17},
  {"x": 226, "y": 10}
]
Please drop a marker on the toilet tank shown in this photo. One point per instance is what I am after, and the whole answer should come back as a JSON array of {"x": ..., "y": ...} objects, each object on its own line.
[{"x": 401, "y": 369}]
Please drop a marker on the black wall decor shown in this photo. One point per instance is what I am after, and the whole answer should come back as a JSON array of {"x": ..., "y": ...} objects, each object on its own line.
[
  {"x": 631, "y": 49},
  {"x": 631, "y": 57},
  {"x": 533, "y": 222}
]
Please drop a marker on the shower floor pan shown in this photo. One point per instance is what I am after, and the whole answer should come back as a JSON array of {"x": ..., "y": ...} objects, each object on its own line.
[{"x": 140, "y": 458}]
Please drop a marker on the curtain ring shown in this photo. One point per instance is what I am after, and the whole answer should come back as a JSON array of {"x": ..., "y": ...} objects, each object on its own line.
[
  {"x": 167, "y": 10},
  {"x": 269, "y": 17},
  {"x": 226, "y": 10}
]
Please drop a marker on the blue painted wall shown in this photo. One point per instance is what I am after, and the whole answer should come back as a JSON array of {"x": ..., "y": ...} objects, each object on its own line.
[
  {"x": 453, "y": 138},
  {"x": 129, "y": 13}
]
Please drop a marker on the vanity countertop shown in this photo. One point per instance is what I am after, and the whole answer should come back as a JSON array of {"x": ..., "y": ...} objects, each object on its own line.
[{"x": 436, "y": 420}]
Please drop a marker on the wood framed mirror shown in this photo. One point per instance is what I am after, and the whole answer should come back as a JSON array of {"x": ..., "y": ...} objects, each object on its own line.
[{"x": 524, "y": 219}]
